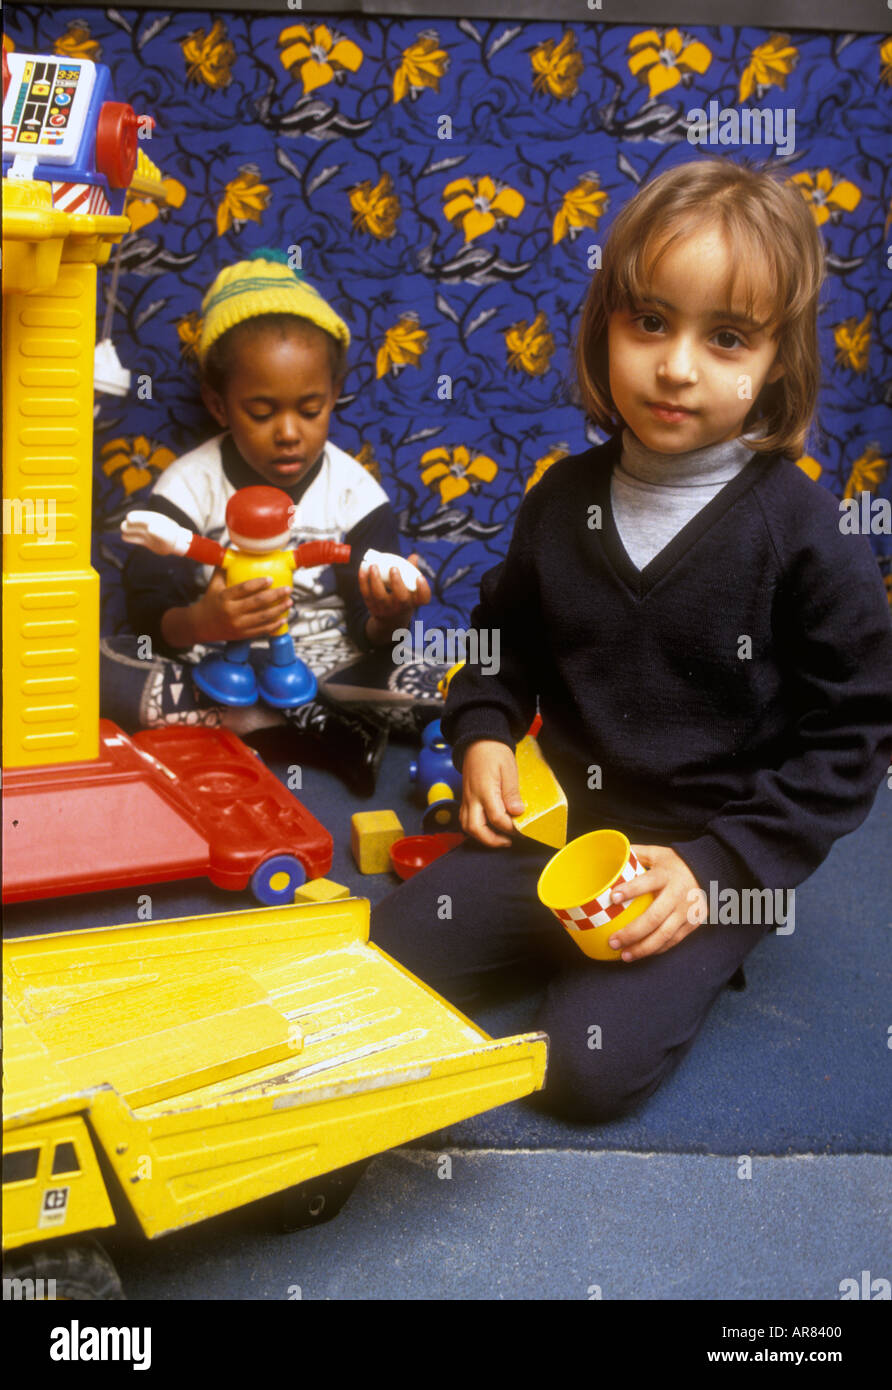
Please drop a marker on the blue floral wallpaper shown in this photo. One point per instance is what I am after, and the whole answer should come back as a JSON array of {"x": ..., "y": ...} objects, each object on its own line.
[{"x": 444, "y": 181}]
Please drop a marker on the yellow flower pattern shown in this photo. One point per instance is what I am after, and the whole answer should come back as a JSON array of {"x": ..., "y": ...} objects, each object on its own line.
[
  {"x": 663, "y": 58},
  {"x": 135, "y": 462},
  {"x": 827, "y": 196},
  {"x": 557, "y": 67},
  {"x": 142, "y": 211},
  {"x": 78, "y": 42},
  {"x": 422, "y": 65},
  {"x": 404, "y": 345},
  {"x": 468, "y": 256},
  {"x": 375, "y": 209},
  {"x": 583, "y": 206},
  {"x": 530, "y": 346},
  {"x": 189, "y": 334},
  {"x": 852, "y": 338},
  {"x": 244, "y": 200},
  {"x": 209, "y": 56},
  {"x": 456, "y": 471},
  {"x": 477, "y": 204},
  {"x": 867, "y": 473},
  {"x": 317, "y": 58},
  {"x": 542, "y": 465},
  {"x": 769, "y": 66}
]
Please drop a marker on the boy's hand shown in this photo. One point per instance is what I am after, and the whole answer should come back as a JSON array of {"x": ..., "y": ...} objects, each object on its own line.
[
  {"x": 489, "y": 792},
  {"x": 391, "y": 604},
  {"x": 678, "y": 907},
  {"x": 239, "y": 612}
]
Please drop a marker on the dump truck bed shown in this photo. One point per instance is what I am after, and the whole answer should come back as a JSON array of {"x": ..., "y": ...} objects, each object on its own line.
[{"x": 221, "y": 1058}]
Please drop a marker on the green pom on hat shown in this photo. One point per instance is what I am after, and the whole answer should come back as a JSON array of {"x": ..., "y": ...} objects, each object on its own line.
[
  {"x": 272, "y": 253},
  {"x": 269, "y": 253}
]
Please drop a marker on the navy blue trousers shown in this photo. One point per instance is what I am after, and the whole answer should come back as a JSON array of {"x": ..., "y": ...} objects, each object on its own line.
[{"x": 497, "y": 932}]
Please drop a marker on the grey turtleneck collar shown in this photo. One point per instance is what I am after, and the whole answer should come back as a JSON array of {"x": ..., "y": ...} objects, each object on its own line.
[
  {"x": 654, "y": 495},
  {"x": 717, "y": 463}
]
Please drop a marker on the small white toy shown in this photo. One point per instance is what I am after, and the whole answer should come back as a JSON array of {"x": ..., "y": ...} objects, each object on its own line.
[
  {"x": 108, "y": 373},
  {"x": 385, "y": 562}
]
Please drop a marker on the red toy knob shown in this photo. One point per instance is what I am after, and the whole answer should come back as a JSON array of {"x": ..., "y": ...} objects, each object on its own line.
[{"x": 116, "y": 142}]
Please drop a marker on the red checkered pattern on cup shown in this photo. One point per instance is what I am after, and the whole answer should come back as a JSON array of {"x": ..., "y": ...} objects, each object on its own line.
[{"x": 601, "y": 910}]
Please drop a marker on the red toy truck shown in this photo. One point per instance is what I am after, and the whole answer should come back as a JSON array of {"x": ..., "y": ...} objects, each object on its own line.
[{"x": 164, "y": 804}]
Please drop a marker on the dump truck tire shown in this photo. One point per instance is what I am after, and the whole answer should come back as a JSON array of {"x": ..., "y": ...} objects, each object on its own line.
[
  {"x": 81, "y": 1270},
  {"x": 319, "y": 1199}
]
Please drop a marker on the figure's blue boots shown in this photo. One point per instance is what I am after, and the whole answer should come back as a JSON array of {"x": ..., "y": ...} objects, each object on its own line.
[
  {"x": 283, "y": 679},
  {"x": 228, "y": 676}
]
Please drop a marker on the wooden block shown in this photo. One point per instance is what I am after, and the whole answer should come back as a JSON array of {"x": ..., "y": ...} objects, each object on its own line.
[
  {"x": 320, "y": 890},
  {"x": 371, "y": 835},
  {"x": 545, "y": 816}
]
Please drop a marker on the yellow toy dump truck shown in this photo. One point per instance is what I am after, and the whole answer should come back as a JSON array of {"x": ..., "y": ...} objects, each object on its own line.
[{"x": 170, "y": 1071}]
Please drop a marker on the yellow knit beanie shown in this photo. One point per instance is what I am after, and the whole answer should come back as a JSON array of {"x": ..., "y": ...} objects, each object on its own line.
[{"x": 265, "y": 284}]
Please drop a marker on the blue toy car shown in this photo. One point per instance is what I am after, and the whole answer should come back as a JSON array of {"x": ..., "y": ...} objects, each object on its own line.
[{"x": 436, "y": 782}]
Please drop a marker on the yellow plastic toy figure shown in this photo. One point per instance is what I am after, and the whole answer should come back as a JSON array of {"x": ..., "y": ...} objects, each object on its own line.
[{"x": 259, "y": 523}]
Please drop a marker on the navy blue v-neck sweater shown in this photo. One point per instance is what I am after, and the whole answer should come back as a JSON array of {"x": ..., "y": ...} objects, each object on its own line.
[{"x": 733, "y": 699}]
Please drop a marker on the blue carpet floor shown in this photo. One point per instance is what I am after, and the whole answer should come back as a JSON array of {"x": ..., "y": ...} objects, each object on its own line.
[
  {"x": 796, "y": 1063},
  {"x": 547, "y": 1226}
]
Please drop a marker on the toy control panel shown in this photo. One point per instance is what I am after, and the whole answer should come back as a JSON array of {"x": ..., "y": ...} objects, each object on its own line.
[{"x": 60, "y": 127}]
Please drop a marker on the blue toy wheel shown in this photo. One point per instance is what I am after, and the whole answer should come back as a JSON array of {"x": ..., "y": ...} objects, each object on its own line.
[{"x": 276, "y": 879}]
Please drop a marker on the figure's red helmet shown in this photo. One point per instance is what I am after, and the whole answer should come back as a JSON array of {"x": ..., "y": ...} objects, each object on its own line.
[{"x": 259, "y": 518}]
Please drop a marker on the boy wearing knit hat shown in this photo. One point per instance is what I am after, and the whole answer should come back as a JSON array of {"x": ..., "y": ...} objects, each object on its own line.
[{"x": 273, "y": 361}]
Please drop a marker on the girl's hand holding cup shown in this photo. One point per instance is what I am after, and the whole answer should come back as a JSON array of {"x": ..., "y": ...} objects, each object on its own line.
[
  {"x": 678, "y": 907},
  {"x": 620, "y": 901}
]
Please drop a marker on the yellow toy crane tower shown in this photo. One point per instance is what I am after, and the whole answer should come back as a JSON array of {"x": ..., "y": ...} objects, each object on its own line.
[
  {"x": 69, "y": 155},
  {"x": 50, "y": 590}
]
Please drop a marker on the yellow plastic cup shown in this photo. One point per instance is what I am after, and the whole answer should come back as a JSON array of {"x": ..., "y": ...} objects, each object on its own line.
[{"x": 576, "y": 885}]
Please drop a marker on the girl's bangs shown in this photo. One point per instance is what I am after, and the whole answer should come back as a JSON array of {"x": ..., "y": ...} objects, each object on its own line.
[{"x": 756, "y": 277}]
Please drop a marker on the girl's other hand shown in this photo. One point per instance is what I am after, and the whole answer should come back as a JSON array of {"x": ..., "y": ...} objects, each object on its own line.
[
  {"x": 490, "y": 795},
  {"x": 391, "y": 605},
  {"x": 676, "y": 911},
  {"x": 239, "y": 612}
]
